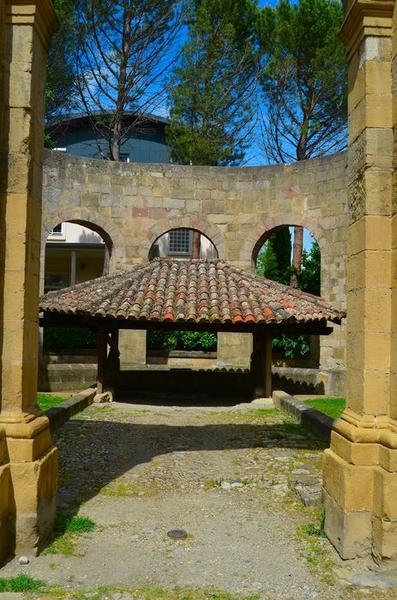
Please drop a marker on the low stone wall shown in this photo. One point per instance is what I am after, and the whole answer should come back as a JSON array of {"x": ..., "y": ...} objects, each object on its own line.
[
  {"x": 185, "y": 383},
  {"x": 55, "y": 377},
  {"x": 66, "y": 377},
  {"x": 58, "y": 415},
  {"x": 295, "y": 380},
  {"x": 182, "y": 359},
  {"x": 320, "y": 423}
]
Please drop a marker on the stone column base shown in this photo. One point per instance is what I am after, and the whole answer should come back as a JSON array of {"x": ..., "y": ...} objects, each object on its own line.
[
  {"x": 33, "y": 482},
  {"x": 360, "y": 487},
  {"x": 5, "y": 532}
]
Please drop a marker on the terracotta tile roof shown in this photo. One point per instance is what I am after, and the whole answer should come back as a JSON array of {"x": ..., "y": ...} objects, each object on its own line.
[{"x": 189, "y": 291}]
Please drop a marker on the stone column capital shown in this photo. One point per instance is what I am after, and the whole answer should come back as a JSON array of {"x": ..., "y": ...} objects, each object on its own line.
[
  {"x": 366, "y": 18},
  {"x": 39, "y": 14}
]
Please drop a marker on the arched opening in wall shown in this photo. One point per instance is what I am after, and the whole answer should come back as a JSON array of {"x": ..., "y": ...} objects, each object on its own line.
[
  {"x": 181, "y": 243},
  {"x": 75, "y": 251},
  {"x": 291, "y": 255},
  {"x": 184, "y": 349}
]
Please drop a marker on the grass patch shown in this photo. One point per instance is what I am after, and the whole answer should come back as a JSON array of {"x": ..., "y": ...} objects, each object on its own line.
[
  {"x": 315, "y": 547},
  {"x": 20, "y": 583},
  {"x": 120, "y": 490},
  {"x": 46, "y": 401},
  {"x": 78, "y": 524},
  {"x": 333, "y": 407},
  {"x": 66, "y": 532}
]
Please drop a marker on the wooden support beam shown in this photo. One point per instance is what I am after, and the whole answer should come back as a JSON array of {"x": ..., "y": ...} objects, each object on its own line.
[
  {"x": 113, "y": 360},
  {"x": 102, "y": 338},
  {"x": 77, "y": 320},
  {"x": 261, "y": 365}
]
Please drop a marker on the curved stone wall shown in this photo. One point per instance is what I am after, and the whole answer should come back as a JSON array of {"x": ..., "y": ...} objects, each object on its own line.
[{"x": 235, "y": 207}]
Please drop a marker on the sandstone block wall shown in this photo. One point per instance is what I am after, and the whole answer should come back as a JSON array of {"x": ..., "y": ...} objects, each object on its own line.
[{"x": 235, "y": 207}]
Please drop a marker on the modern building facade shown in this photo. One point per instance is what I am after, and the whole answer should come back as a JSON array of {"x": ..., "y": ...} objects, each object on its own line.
[{"x": 81, "y": 135}]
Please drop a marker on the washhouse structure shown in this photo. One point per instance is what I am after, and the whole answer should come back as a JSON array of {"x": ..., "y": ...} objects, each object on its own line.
[
  {"x": 195, "y": 294},
  {"x": 134, "y": 207}
]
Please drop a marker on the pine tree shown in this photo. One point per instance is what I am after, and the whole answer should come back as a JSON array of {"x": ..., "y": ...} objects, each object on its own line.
[
  {"x": 304, "y": 86},
  {"x": 124, "y": 55},
  {"x": 211, "y": 94},
  {"x": 60, "y": 89},
  {"x": 310, "y": 280}
]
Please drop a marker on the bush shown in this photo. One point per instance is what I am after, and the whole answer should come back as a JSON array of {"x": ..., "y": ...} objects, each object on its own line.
[
  {"x": 182, "y": 340},
  {"x": 292, "y": 346},
  {"x": 73, "y": 338}
]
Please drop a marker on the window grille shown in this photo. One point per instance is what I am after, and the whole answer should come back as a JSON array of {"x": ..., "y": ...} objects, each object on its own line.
[{"x": 180, "y": 241}]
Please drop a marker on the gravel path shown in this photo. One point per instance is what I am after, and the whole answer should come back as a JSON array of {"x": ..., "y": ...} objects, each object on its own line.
[{"x": 228, "y": 477}]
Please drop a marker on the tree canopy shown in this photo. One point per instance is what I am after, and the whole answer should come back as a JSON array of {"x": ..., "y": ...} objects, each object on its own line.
[
  {"x": 303, "y": 79},
  {"x": 274, "y": 260},
  {"x": 61, "y": 73},
  {"x": 211, "y": 93}
]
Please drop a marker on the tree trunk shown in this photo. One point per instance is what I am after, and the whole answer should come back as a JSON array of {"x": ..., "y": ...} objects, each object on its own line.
[
  {"x": 297, "y": 256},
  {"x": 196, "y": 244},
  {"x": 117, "y": 128}
]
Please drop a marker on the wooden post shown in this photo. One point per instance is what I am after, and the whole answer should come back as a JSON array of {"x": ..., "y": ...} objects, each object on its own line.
[
  {"x": 268, "y": 365},
  {"x": 196, "y": 244},
  {"x": 261, "y": 364},
  {"x": 102, "y": 356},
  {"x": 113, "y": 360}
]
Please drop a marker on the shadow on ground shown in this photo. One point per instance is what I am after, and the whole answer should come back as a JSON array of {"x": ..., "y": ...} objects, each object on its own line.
[{"x": 95, "y": 453}]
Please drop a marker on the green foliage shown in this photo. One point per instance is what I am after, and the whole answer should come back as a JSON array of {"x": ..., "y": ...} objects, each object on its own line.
[
  {"x": 274, "y": 262},
  {"x": 292, "y": 346},
  {"x": 310, "y": 276},
  {"x": 73, "y": 338},
  {"x": 333, "y": 407},
  {"x": 60, "y": 91},
  {"x": 211, "y": 92},
  {"x": 20, "y": 583},
  {"x": 274, "y": 259},
  {"x": 182, "y": 340},
  {"x": 46, "y": 401},
  {"x": 303, "y": 79}
]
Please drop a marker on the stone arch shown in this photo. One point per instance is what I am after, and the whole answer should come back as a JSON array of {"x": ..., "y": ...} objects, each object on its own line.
[
  {"x": 263, "y": 231},
  {"x": 269, "y": 232},
  {"x": 106, "y": 229},
  {"x": 176, "y": 228},
  {"x": 207, "y": 229}
]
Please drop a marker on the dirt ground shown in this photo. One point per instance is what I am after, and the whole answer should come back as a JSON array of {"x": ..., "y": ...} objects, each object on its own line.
[{"x": 228, "y": 477}]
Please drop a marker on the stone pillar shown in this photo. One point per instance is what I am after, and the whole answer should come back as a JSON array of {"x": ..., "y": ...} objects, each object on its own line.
[
  {"x": 360, "y": 468},
  {"x": 234, "y": 350},
  {"x": 132, "y": 349},
  {"x": 5, "y": 533},
  {"x": 28, "y": 25}
]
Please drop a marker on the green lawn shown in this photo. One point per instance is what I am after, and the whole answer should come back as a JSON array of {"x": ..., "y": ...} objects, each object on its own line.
[
  {"x": 333, "y": 407},
  {"x": 46, "y": 401}
]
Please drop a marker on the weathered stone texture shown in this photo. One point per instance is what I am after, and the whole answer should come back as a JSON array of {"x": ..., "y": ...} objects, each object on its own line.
[
  {"x": 360, "y": 472},
  {"x": 28, "y": 469},
  {"x": 235, "y": 207}
]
